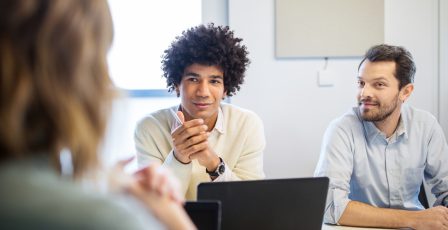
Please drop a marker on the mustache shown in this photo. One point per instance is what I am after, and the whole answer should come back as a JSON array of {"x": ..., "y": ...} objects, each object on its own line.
[{"x": 368, "y": 100}]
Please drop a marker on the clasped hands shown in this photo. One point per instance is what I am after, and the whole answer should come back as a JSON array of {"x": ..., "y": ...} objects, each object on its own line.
[{"x": 191, "y": 142}]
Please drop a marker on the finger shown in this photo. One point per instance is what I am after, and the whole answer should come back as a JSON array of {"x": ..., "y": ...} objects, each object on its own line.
[
  {"x": 181, "y": 116},
  {"x": 172, "y": 185},
  {"x": 122, "y": 163},
  {"x": 196, "y": 140},
  {"x": 183, "y": 136},
  {"x": 147, "y": 176},
  {"x": 142, "y": 171},
  {"x": 193, "y": 130},
  {"x": 196, "y": 149},
  {"x": 162, "y": 186},
  {"x": 186, "y": 125}
]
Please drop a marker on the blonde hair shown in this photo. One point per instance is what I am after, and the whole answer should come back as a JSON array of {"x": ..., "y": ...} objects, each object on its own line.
[{"x": 55, "y": 90}]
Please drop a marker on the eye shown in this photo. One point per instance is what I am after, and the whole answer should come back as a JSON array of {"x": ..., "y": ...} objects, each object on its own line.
[
  {"x": 380, "y": 84},
  {"x": 214, "y": 81},
  {"x": 192, "y": 79},
  {"x": 361, "y": 83}
]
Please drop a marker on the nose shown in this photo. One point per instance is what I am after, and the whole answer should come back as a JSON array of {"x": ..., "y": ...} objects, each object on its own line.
[
  {"x": 203, "y": 89},
  {"x": 365, "y": 92}
]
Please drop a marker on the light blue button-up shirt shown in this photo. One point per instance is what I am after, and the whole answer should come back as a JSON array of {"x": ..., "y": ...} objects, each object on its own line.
[{"x": 363, "y": 165}]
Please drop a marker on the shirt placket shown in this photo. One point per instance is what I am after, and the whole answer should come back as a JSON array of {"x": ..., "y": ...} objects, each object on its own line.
[{"x": 393, "y": 174}]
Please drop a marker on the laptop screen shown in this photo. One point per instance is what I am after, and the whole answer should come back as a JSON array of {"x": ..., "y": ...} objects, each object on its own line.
[{"x": 296, "y": 203}]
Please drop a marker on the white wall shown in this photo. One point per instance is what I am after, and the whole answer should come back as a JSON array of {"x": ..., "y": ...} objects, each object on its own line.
[
  {"x": 443, "y": 66},
  {"x": 284, "y": 92}
]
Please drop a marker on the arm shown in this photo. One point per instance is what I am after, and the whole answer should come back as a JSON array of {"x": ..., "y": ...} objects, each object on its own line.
[
  {"x": 152, "y": 142},
  {"x": 336, "y": 163},
  {"x": 436, "y": 170},
  {"x": 249, "y": 164},
  {"x": 364, "y": 215}
]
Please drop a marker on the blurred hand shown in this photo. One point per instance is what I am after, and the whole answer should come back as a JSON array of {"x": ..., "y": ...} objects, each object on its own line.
[
  {"x": 159, "y": 192},
  {"x": 157, "y": 179}
]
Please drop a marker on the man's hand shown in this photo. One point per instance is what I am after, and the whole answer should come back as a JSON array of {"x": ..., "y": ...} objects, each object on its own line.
[
  {"x": 364, "y": 215},
  {"x": 432, "y": 218},
  {"x": 190, "y": 142}
]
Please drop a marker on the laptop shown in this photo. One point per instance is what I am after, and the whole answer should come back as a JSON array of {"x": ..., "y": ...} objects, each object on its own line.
[
  {"x": 296, "y": 203},
  {"x": 206, "y": 215}
]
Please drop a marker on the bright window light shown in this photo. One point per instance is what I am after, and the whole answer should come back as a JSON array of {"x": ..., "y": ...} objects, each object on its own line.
[{"x": 143, "y": 29}]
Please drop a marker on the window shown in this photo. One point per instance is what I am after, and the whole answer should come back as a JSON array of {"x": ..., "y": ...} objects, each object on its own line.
[{"x": 142, "y": 31}]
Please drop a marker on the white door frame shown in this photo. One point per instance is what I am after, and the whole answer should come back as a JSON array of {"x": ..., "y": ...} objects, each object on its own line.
[{"x": 443, "y": 65}]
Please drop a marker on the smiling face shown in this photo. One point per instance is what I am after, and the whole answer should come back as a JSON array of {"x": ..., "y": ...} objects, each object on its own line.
[
  {"x": 379, "y": 95},
  {"x": 201, "y": 90}
]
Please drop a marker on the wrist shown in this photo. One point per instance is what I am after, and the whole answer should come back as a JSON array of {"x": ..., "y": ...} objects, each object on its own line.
[
  {"x": 410, "y": 219},
  {"x": 175, "y": 157},
  {"x": 220, "y": 169},
  {"x": 214, "y": 163}
]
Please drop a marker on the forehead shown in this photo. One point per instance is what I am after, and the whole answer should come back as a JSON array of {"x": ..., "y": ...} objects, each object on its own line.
[
  {"x": 375, "y": 70},
  {"x": 203, "y": 70}
]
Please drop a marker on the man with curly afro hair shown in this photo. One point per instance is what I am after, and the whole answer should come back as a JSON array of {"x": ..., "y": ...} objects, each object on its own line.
[{"x": 204, "y": 139}]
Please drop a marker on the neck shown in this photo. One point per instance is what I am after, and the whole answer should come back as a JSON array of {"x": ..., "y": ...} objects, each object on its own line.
[
  {"x": 211, "y": 122},
  {"x": 389, "y": 124}
]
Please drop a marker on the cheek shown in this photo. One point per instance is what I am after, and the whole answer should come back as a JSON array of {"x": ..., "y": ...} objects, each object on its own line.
[{"x": 358, "y": 95}]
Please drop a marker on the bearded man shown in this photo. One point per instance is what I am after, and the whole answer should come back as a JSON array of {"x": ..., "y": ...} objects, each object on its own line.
[{"x": 378, "y": 154}]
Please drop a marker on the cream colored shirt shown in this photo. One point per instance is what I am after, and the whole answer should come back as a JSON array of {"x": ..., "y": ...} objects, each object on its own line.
[{"x": 238, "y": 138}]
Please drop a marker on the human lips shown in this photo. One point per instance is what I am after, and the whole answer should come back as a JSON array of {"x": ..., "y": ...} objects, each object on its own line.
[
  {"x": 202, "y": 105},
  {"x": 368, "y": 104}
]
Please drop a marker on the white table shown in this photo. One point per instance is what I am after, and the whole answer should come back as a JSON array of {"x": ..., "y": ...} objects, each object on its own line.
[{"x": 336, "y": 227}]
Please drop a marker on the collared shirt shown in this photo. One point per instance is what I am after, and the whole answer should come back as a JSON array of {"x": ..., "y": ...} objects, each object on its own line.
[
  {"x": 238, "y": 138},
  {"x": 363, "y": 165}
]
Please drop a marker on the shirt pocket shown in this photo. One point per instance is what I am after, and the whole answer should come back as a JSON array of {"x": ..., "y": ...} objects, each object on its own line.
[{"x": 412, "y": 179}]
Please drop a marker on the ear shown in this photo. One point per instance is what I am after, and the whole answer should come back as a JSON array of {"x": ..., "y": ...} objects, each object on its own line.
[
  {"x": 406, "y": 91},
  {"x": 224, "y": 95},
  {"x": 176, "y": 88}
]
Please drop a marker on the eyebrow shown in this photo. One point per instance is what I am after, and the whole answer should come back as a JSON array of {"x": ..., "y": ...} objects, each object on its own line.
[
  {"x": 193, "y": 74},
  {"x": 375, "y": 79}
]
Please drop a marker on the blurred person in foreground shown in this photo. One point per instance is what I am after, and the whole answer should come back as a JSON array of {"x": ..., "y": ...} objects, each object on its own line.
[{"x": 55, "y": 93}]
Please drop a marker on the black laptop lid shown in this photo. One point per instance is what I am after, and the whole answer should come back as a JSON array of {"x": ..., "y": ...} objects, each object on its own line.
[
  {"x": 206, "y": 215},
  {"x": 296, "y": 203}
]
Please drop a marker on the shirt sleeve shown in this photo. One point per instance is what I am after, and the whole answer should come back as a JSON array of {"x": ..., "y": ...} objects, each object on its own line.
[
  {"x": 336, "y": 163},
  {"x": 249, "y": 165},
  {"x": 148, "y": 150},
  {"x": 436, "y": 170}
]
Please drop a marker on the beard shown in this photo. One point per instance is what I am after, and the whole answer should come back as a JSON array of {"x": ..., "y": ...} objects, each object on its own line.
[{"x": 380, "y": 113}]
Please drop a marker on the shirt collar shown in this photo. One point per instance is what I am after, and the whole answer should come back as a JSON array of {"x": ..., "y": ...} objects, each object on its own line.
[
  {"x": 219, "y": 126},
  {"x": 372, "y": 131}
]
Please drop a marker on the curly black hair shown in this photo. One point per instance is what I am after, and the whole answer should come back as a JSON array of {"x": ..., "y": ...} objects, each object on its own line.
[{"x": 206, "y": 45}]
